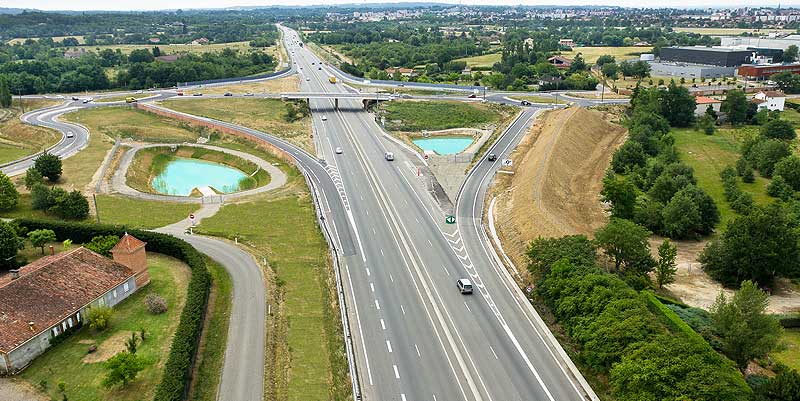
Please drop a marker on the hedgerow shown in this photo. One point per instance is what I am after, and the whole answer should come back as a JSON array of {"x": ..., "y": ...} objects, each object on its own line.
[{"x": 178, "y": 368}]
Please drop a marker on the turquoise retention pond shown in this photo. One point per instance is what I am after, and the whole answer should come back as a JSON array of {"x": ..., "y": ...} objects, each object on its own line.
[
  {"x": 444, "y": 145},
  {"x": 181, "y": 176}
]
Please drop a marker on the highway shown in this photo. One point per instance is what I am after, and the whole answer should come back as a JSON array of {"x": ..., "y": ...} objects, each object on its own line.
[{"x": 417, "y": 337}]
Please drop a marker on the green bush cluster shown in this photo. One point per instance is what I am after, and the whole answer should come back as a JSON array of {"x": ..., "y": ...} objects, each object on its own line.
[
  {"x": 179, "y": 364},
  {"x": 648, "y": 352},
  {"x": 741, "y": 202}
]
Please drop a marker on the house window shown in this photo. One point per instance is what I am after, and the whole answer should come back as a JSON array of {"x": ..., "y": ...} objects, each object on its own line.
[
  {"x": 114, "y": 293},
  {"x": 64, "y": 326},
  {"x": 125, "y": 287},
  {"x": 69, "y": 321},
  {"x": 78, "y": 316},
  {"x": 102, "y": 301},
  {"x": 55, "y": 331}
]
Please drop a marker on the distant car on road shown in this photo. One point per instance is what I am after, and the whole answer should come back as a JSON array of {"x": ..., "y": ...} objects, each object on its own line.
[
  {"x": 319, "y": 68},
  {"x": 308, "y": 79},
  {"x": 130, "y": 100},
  {"x": 180, "y": 93},
  {"x": 70, "y": 135},
  {"x": 249, "y": 94},
  {"x": 492, "y": 157},
  {"x": 197, "y": 94},
  {"x": 389, "y": 156},
  {"x": 525, "y": 103},
  {"x": 87, "y": 100},
  {"x": 75, "y": 98},
  {"x": 339, "y": 150},
  {"x": 472, "y": 96},
  {"x": 228, "y": 94},
  {"x": 464, "y": 286},
  {"x": 324, "y": 118}
]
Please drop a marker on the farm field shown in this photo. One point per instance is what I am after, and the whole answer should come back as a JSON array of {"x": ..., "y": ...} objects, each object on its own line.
[
  {"x": 591, "y": 54},
  {"x": 486, "y": 60}
]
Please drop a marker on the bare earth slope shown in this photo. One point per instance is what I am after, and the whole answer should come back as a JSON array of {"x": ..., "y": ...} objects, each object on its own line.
[{"x": 555, "y": 188}]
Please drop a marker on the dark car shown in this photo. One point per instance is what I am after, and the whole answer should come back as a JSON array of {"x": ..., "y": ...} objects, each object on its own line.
[
  {"x": 492, "y": 157},
  {"x": 472, "y": 96},
  {"x": 525, "y": 103},
  {"x": 228, "y": 94}
]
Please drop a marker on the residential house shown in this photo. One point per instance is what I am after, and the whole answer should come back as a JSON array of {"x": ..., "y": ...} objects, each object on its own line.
[
  {"x": 770, "y": 100},
  {"x": 702, "y": 104},
  {"x": 466, "y": 71},
  {"x": 560, "y": 61},
  {"x": 75, "y": 53},
  {"x": 566, "y": 43},
  {"x": 46, "y": 298},
  {"x": 154, "y": 40},
  {"x": 406, "y": 72}
]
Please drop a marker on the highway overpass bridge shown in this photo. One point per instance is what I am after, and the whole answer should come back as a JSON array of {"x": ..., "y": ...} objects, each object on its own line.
[{"x": 366, "y": 98}]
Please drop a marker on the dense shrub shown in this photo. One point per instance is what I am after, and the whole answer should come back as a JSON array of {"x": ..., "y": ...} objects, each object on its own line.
[
  {"x": 179, "y": 364},
  {"x": 99, "y": 317},
  {"x": 766, "y": 153},
  {"x": 156, "y": 304}
]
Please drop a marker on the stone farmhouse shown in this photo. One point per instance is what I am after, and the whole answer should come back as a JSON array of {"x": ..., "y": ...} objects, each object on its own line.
[{"x": 46, "y": 298}]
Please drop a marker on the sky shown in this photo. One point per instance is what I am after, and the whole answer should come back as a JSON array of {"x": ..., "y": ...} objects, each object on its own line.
[{"x": 130, "y": 5}]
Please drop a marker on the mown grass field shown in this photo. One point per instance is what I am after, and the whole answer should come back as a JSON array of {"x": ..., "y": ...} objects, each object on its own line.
[
  {"x": 591, "y": 54},
  {"x": 439, "y": 115},
  {"x": 18, "y": 139},
  {"x": 139, "y": 213},
  {"x": 261, "y": 114},
  {"x": 791, "y": 355},
  {"x": 485, "y": 60},
  {"x": 708, "y": 155},
  {"x": 305, "y": 353},
  {"x": 65, "y": 362},
  {"x": 287, "y": 84},
  {"x": 176, "y": 48}
]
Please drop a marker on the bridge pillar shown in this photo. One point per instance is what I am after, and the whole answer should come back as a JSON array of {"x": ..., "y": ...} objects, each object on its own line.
[{"x": 336, "y": 103}]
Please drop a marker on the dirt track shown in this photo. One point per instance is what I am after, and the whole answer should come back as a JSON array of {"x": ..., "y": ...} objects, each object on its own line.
[{"x": 555, "y": 188}]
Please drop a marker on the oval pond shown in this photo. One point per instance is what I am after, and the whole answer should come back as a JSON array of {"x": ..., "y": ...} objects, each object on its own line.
[{"x": 181, "y": 176}]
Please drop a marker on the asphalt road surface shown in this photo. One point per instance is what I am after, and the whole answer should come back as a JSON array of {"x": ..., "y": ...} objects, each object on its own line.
[{"x": 417, "y": 337}]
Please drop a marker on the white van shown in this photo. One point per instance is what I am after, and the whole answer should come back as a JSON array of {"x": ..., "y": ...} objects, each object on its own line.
[
  {"x": 389, "y": 156},
  {"x": 464, "y": 286}
]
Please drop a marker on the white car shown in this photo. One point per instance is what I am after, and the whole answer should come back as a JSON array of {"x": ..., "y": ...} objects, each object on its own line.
[
  {"x": 324, "y": 118},
  {"x": 389, "y": 156},
  {"x": 308, "y": 79},
  {"x": 464, "y": 286},
  {"x": 70, "y": 135},
  {"x": 338, "y": 150}
]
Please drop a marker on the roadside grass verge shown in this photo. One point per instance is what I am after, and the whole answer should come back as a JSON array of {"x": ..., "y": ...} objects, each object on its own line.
[
  {"x": 109, "y": 99},
  {"x": 18, "y": 139},
  {"x": 286, "y": 84},
  {"x": 211, "y": 354},
  {"x": 305, "y": 347},
  {"x": 140, "y": 213},
  {"x": 440, "y": 114},
  {"x": 710, "y": 154},
  {"x": 791, "y": 355},
  {"x": 261, "y": 114},
  {"x": 69, "y": 362}
]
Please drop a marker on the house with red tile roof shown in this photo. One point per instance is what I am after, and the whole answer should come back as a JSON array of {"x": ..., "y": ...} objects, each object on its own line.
[
  {"x": 702, "y": 103},
  {"x": 770, "y": 100},
  {"x": 46, "y": 298},
  {"x": 560, "y": 61}
]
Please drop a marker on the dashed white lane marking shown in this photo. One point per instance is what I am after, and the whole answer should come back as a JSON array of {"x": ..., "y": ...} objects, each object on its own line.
[
  {"x": 396, "y": 372},
  {"x": 434, "y": 397},
  {"x": 389, "y": 346},
  {"x": 465, "y": 304},
  {"x": 417, "y": 348},
  {"x": 382, "y": 252},
  {"x": 377, "y": 305},
  {"x": 402, "y": 309},
  {"x": 493, "y": 353},
  {"x": 373, "y": 231},
  {"x": 430, "y": 243},
  {"x": 391, "y": 278},
  {"x": 402, "y": 397},
  {"x": 372, "y": 287},
  {"x": 383, "y": 325},
  {"x": 368, "y": 271}
]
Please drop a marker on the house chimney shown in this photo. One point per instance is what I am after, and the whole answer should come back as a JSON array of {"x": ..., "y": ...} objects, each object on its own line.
[
  {"x": 52, "y": 250},
  {"x": 32, "y": 325},
  {"x": 14, "y": 273}
]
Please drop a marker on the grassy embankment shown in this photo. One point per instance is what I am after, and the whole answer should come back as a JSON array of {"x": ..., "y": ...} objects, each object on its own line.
[
  {"x": 305, "y": 349},
  {"x": 150, "y": 162},
  {"x": 69, "y": 362},
  {"x": 18, "y": 139},
  {"x": 791, "y": 355},
  {"x": 287, "y": 84},
  {"x": 708, "y": 155},
  {"x": 439, "y": 115},
  {"x": 262, "y": 114}
]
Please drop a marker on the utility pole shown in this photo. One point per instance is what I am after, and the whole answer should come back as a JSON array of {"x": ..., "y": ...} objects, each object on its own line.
[{"x": 96, "y": 211}]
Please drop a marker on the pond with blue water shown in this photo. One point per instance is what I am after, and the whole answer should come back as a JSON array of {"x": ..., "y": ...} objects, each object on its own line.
[
  {"x": 181, "y": 176},
  {"x": 444, "y": 145}
]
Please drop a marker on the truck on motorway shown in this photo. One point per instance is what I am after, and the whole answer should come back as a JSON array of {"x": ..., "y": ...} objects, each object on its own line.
[{"x": 332, "y": 79}]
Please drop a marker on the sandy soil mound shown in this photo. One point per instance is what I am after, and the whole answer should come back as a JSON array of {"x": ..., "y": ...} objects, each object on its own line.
[{"x": 555, "y": 188}]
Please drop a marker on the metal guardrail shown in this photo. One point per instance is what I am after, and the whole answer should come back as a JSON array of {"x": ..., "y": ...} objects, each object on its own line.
[
  {"x": 351, "y": 360},
  {"x": 235, "y": 79}
]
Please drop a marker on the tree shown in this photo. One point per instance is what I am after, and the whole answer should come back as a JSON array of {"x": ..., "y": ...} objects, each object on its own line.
[
  {"x": 543, "y": 253},
  {"x": 790, "y": 54},
  {"x": 706, "y": 124},
  {"x": 72, "y": 205},
  {"x": 621, "y": 194},
  {"x": 122, "y": 368},
  {"x": 681, "y": 216},
  {"x": 628, "y": 155},
  {"x": 10, "y": 243},
  {"x": 758, "y": 246},
  {"x": 626, "y": 243},
  {"x": 5, "y": 93},
  {"x": 132, "y": 343},
  {"x": 665, "y": 266},
  {"x": 785, "y": 386},
  {"x": 33, "y": 177},
  {"x": 8, "y": 193},
  {"x": 40, "y": 197},
  {"x": 678, "y": 105},
  {"x": 40, "y": 238},
  {"x": 735, "y": 105},
  {"x": 610, "y": 70},
  {"x": 49, "y": 165},
  {"x": 103, "y": 244},
  {"x": 789, "y": 169},
  {"x": 779, "y": 188},
  {"x": 787, "y": 81},
  {"x": 778, "y": 129},
  {"x": 605, "y": 59},
  {"x": 766, "y": 153},
  {"x": 743, "y": 325}
]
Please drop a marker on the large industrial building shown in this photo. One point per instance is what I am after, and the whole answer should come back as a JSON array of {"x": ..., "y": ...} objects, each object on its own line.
[
  {"x": 758, "y": 72},
  {"x": 759, "y": 42},
  {"x": 719, "y": 56}
]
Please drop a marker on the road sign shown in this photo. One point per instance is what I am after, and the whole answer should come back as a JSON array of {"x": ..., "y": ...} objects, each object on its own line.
[
  {"x": 450, "y": 219},
  {"x": 192, "y": 220},
  {"x": 508, "y": 162}
]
